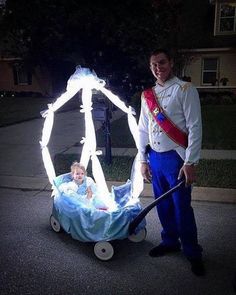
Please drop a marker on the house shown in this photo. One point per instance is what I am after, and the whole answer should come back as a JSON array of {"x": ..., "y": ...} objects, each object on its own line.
[
  {"x": 212, "y": 65},
  {"x": 16, "y": 78}
]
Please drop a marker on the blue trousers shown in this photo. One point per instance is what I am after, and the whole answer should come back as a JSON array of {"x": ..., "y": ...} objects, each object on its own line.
[{"x": 175, "y": 212}]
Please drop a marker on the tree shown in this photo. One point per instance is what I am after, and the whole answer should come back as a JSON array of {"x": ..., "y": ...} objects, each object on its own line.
[
  {"x": 101, "y": 36},
  {"x": 107, "y": 36}
]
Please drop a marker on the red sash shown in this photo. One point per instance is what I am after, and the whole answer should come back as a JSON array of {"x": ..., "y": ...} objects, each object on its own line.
[{"x": 163, "y": 121}]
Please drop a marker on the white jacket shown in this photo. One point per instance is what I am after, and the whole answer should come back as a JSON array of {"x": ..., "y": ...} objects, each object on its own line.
[{"x": 180, "y": 101}]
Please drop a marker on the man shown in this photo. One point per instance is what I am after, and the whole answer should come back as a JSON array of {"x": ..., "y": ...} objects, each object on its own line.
[{"x": 170, "y": 125}]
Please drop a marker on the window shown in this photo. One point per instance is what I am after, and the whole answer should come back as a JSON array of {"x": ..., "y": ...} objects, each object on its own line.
[
  {"x": 225, "y": 19},
  {"x": 209, "y": 71},
  {"x": 21, "y": 75}
]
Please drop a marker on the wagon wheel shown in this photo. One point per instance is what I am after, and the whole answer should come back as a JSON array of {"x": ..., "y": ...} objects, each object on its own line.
[
  {"x": 103, "y": 250},
  {"x": 55, "y": 224},
  {"x": 139, "y": 237}
]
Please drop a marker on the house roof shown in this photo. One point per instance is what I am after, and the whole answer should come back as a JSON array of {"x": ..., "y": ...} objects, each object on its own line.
[
  {"x": 199, "y": 32},
  {"x": 211, "y": 49}
]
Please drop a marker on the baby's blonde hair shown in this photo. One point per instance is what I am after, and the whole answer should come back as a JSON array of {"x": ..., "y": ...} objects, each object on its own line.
[{"x": 76, "y": 165}]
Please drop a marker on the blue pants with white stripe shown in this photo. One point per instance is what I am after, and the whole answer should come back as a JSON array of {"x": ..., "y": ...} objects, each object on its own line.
[{"x": 175, "y": 212}]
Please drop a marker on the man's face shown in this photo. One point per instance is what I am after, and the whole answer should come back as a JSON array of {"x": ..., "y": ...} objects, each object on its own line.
[{"x": 161, "y": 67}]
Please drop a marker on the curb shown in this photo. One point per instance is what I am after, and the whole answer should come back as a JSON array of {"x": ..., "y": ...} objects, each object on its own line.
[{"x": 208, "y": 194}]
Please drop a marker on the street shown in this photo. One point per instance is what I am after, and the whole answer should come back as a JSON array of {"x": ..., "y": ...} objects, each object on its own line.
[{"x": 36, "y": 260}]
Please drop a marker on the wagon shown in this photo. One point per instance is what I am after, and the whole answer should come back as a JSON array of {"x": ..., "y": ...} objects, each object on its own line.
[{"x": 98, "y": 225}]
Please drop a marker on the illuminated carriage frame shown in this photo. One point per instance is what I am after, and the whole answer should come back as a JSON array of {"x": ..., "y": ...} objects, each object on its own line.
[{"x": 86, "y": 80}]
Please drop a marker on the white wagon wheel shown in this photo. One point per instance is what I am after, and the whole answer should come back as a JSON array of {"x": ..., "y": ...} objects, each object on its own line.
[
  {"x": 139, "y": 237},
  {"x": 55, "y": 224},
  {"x": 103, "y": 250}
]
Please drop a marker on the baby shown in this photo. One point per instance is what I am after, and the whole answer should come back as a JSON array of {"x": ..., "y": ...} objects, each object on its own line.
[{"x": 82, "y": 186}]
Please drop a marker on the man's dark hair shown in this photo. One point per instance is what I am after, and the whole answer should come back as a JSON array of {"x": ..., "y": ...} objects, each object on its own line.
[{"x": 162, "y": 50}]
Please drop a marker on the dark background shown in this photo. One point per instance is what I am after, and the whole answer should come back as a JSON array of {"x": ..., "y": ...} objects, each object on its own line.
[{"x": 114, "y": 38}]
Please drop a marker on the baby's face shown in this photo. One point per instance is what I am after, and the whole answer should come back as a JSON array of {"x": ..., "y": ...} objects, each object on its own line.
[{"x": 78, "y": 175}]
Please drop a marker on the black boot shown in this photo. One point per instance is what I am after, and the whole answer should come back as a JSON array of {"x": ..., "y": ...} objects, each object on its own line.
[
  {"x": 197, "y": 266},
  {"x": 161, "y": 250}
]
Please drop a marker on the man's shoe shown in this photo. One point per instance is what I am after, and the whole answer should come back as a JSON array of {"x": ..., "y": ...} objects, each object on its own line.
[
  {"x": 161, "y": 250},
  {"x": 197, "y": 267}
]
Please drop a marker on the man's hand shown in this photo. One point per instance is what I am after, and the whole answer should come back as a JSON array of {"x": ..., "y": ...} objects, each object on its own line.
[
  {"x": 146, "y": 172},
  {"x": 189, "y": 171}
]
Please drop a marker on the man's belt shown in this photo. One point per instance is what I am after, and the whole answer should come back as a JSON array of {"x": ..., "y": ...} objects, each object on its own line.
[{"x": 174, "y": 133}]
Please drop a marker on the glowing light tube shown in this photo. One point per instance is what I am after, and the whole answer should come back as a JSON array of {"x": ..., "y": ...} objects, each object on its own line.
[
  {"x": 86, "y": 80},
  {"x": 90, "y": 145},
  {"x": 47, "y": 128},
  {"x": 63, "y": 99},
  {"x": 136, "y": 176},
  {"x": 48, "y": 164}
]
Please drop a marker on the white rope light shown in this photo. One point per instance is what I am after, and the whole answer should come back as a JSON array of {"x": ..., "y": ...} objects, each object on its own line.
[{"x": 86, "y": 80}]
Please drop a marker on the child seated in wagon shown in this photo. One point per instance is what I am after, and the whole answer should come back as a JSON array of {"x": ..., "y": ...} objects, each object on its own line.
[
  {"x": 81, "y": 210},
  {"x": 81, "y": 187}
]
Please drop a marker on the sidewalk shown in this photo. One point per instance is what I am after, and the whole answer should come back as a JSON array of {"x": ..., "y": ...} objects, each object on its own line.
[{"x": 22, "y": 166}]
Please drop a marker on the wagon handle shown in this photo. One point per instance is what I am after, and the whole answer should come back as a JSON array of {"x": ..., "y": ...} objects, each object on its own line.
[{"x": 136, "y": 221}]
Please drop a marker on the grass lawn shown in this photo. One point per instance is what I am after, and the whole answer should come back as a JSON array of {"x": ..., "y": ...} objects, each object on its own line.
[
  {"x": 219, "y": 129},
  {"x": 211, "y": 173},
  {"x": 219, "y": 121}
]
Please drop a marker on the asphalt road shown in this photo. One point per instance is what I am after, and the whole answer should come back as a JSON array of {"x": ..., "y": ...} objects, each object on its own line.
[{"x": 36, "y": 260}]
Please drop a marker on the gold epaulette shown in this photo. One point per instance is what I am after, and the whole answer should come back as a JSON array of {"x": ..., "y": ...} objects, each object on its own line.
[{"x": 185, "y": 85}]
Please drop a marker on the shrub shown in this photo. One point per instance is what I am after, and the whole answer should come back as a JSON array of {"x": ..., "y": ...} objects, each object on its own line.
[{"x": 217, "y": 98}]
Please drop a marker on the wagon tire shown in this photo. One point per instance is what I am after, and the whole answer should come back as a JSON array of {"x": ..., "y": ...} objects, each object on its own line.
[
  {"x": 103, "y": 250},
  {"x": 139, "y": 237},
  {"x": 55, "y": 224}
]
